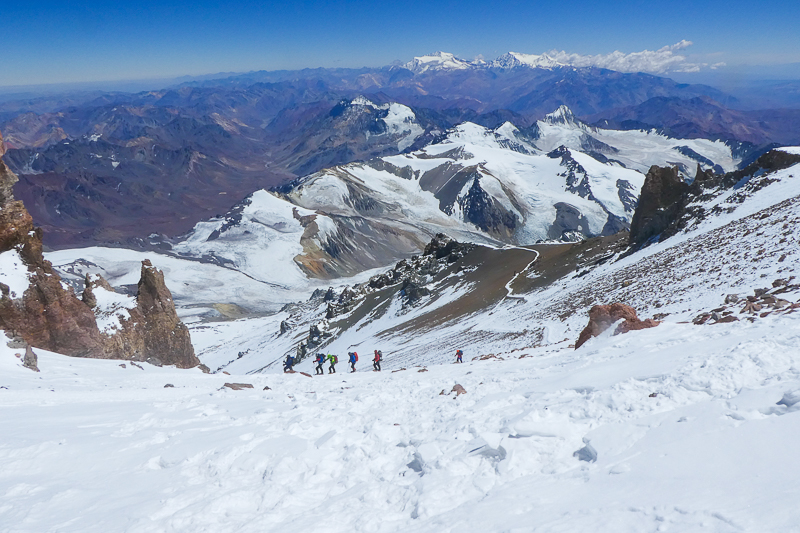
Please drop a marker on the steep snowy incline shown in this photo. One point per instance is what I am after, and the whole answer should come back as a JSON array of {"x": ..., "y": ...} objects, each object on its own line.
[{"x": 678, "y": 428}]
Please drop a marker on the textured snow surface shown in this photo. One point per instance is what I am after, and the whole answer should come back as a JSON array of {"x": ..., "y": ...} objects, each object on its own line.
[
  {"x": 271, "y": 235},
  {"x": 679, "y": 428},
  {"x": 13, "y": 273}
]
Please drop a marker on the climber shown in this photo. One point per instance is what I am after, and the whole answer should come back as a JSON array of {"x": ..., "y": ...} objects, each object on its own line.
[
  {"x": 287, "y": 366},
  {"x": 353, "y": 361},
  {"x": 459, "y": 355},
  {"x": 320, "y": 360},
  {"x": 376, "y": 361},
  {"x": 333, "y": 359}
]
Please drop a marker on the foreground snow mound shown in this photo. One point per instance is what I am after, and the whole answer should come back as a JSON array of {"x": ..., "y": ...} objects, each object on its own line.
[{"x": 675, "y": 428}]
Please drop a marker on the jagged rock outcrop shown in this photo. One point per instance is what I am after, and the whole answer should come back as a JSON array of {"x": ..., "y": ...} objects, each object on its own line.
[
  {"x": 90, "y": 282},
  {"x": 668, "y": 205},
  {"x": 660, "y": 202},
  {"x": 602, "y": 317},
  {"x": 154, "y": 333},
  {"x": 487, "y": 213},
  {"x": 47, "y": 314}
]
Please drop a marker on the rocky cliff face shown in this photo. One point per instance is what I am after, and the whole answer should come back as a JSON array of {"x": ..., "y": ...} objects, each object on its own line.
[{"x": 38, "y": 308}]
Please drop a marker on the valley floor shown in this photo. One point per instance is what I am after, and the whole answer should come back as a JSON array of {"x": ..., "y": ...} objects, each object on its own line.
[{"x": 677, "y": 428}]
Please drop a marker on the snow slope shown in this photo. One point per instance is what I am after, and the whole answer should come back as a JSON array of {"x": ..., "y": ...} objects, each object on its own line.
[{"x": 678, "y": 428}]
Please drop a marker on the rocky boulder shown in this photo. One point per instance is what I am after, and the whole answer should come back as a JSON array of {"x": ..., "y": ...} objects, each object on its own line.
[
  {"x": 30, "y": 360},
  {"x": 602, "y": 317}
]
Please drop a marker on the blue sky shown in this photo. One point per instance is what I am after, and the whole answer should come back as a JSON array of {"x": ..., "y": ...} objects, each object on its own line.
[{"x": 57, "y": 42}]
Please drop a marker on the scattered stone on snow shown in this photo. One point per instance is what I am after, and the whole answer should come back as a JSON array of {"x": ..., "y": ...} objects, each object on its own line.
[{"x": 238, "y": 386}]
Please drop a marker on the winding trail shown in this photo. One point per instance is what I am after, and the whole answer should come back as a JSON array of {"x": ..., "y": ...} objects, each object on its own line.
[{"x": 509, "y": 290}]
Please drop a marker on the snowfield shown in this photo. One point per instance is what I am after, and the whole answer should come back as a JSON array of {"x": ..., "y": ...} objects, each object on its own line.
[{"x": 678, "y": 428}]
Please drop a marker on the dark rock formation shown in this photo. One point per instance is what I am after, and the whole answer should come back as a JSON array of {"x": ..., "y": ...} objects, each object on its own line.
[
  {"x": 487, "y": 213},
  {"x": 601, "y": 317},
  {"x": 667, "y": 204},
  {"x": 414, "y": 289},
  {"x": 660, "y": 202}
]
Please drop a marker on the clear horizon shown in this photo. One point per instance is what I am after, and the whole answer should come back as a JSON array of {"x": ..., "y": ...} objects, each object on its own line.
[{"x": 52, "y": 43}]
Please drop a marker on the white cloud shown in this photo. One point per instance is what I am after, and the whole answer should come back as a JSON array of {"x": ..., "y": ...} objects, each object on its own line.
[{"x": 659, "y": 61}]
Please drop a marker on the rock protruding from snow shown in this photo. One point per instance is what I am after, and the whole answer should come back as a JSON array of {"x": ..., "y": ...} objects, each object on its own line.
[
  {"x": 41, "y": 311},
  {"x": 30, "y": 360},
  {"x": 668, "y": 205},
  {"x": 46, "y": 313},
  {"x": 160, "y": 331},
  {"x": 563, "y": 116},
  {"x": 659, "y": 204},
  {"x": 602, "y": 317}
]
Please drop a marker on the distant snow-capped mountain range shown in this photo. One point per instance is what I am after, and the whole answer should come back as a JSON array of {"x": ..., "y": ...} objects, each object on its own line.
[
  {"x": 557, "y": 180},
  {"x": 448, "y": 61}
]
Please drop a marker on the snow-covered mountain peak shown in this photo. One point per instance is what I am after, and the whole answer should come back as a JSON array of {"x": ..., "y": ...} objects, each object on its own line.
[
  {"x": 361, "y": 100},
  {"x": 515, "y": 59},
  {"x": 564, "y": 116},
  {"x": 393, "y": 119},
  {"x": 438, "y": 61}
]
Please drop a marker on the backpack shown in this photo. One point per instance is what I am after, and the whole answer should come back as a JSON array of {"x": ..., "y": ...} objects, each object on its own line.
[
  {"x": 335, "y": 359},
  {"x": 459, "y": 353},
  {"x": 380, "y": 355},
  {"x": 355, "y": 354}
]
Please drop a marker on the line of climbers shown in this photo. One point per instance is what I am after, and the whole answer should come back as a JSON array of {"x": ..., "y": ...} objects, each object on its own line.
[{"x": 320, "y": 359}]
